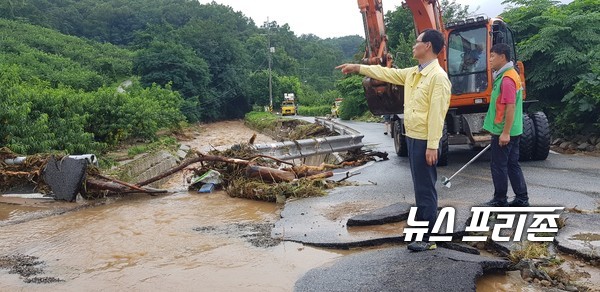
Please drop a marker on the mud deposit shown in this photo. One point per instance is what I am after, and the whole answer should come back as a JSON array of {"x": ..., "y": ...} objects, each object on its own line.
[
  {"x": 258, "y": 234},
  {"x": 26, "y": 267}
]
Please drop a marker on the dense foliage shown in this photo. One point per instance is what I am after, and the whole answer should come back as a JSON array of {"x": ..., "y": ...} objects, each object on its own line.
[
  {"x": 560, "y": 46},
  {"x": 58, "y": 92},
  {"x": 204, "y": 62},
  {"x": 83, "y": 75},
  {"x": 37, "y": 117}
]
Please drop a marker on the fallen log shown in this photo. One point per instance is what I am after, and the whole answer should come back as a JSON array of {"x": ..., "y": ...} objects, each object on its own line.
[
  {"x": 16, "y": 173},
  {"x": 269, "y": 174},
  {"x": 320, "y": 175},
  {"x": 103, "y": 183},
  {"x": 131, "y": 186},
  {"x": 92, "y": 183},
  {"x": 201, "y": 157}
]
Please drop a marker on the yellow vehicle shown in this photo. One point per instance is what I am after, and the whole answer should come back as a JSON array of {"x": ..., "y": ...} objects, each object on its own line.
[
  {"x": 335, "y": 109},
  {"x": 288, "y": 106}
]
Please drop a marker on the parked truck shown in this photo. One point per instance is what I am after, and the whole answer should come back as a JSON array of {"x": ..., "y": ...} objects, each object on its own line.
[{"x": 288, "y": 106}]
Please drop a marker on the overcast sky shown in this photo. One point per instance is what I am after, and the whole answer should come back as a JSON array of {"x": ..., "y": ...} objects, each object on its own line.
[{"x": 328, "y": 18}]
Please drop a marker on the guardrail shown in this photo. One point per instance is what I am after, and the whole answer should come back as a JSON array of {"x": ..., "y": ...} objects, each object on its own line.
[
  {"x": 349, "y": 139},
  {"x": 338, "y": 128}
]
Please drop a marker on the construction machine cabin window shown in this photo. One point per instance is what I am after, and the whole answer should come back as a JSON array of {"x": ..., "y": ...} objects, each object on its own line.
[{"x": 467, "y": 60}]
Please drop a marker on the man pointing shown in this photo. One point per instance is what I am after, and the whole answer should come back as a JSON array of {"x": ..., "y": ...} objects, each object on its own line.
[{"x": 426, "y": 102}]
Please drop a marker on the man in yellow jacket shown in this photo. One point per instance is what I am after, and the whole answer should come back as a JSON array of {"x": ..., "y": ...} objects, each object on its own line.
[{"x": 426, "y": 102}]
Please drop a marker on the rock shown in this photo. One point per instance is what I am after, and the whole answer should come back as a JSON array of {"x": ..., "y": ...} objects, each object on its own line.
[
  {"x": 561, "y": 286},
  {"x": 571, "y": 288},
  {"x": 583, "y": 139},
  {"x": 558, "y": 141},
  {"x": 184, "y": 147},
  {"x": 181, "y": 154},
  {"x": 536, "y": 280},
  {"x": 590, "y": 148},
  {"x": 527, "y": 274},
  {"x": 572, "y": 146},
  {"x": 594, "y": 140},
  {"x": 545, "y": 283},
  {"x": 598, "y": 145},
  {"x": 564, "y": 145},
  {"x": 583, "y": 146}
]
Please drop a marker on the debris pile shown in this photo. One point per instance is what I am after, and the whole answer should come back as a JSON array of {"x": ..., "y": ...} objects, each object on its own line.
[
  {"x": 26, "y": 172},
  {"x": 50, "y": 173},
  {"x": 240, "y": 170},
  {"x": 247, "y": 174}
]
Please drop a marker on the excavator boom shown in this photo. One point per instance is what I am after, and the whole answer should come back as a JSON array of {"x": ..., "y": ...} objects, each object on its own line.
[{"x": 384, "y": 98}]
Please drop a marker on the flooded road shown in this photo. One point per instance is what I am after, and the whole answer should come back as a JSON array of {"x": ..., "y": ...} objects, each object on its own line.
[
  {"x": 141, "y": 243},
  {"x": 184, "y": 241}
]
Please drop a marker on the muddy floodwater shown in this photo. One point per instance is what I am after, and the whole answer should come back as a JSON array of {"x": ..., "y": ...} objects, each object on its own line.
[{"x": 185, "y": 242}]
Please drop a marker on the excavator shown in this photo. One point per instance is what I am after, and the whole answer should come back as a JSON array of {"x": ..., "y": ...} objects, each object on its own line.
[{"x": 466, "y": 60}]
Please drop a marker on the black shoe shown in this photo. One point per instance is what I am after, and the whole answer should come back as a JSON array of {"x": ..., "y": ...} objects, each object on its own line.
[
  {"x": 385, "y": 133},
  {"x": 421, "y": 246},
  {"x": 519, "y": 203},
  {"x": 496, "y": 203}
]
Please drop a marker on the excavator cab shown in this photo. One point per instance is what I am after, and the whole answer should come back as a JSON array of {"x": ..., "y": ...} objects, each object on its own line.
[
  {"x": 468, "y": 59},
  {"x": 469, "y": 42}
]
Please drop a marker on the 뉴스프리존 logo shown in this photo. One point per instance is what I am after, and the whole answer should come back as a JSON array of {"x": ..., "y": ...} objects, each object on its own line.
[{"x": 544, "y": 222}]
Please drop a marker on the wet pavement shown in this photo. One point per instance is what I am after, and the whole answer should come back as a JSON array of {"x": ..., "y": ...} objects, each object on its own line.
[
  {"x": 397, "y": 269},
  {"x": 561, "y": 180},
  {"x": 581, "y": 236}
]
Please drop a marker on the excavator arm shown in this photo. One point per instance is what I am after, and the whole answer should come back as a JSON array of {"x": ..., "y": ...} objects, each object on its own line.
[
  {"x": 384, "y": 98},
  {"x": 428, "y": 15},
  {"x": 376, "y": 52}
]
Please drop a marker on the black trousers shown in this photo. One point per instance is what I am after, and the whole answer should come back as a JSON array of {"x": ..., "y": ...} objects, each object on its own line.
[
  {"x": 505, "y": 166},
  {"x": 424, "y": 179}
]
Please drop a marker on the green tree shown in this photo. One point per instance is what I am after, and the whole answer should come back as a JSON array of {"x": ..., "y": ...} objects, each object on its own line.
[
  {"x": 559, "y": 45},
  {"x": 354, "y": 103},
  {"x": 170, "y": 63}
]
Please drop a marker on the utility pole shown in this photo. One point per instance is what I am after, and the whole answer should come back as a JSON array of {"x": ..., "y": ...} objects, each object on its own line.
[{"x": 271, "y": 50}]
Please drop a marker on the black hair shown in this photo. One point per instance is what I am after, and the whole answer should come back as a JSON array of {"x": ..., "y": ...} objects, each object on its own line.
[
  {"x": 436, "y": 39},
  {"x": 501, "y": 49}
]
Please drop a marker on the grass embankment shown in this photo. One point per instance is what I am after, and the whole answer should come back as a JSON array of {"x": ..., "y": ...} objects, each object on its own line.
[
  {"x": 285, "y": 129},
  {"x": 314, "y": 111},
  {"x": 261, "y": 121}
]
